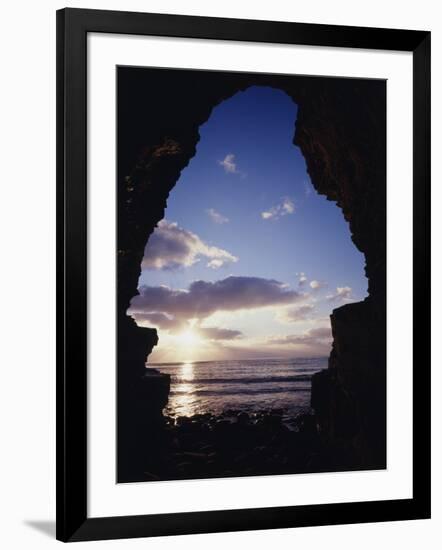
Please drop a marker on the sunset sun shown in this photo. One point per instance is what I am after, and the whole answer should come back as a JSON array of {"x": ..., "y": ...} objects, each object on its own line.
[{"x": 189, "y": 338}]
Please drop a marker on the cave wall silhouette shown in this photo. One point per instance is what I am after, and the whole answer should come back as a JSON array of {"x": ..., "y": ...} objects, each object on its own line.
[{"x": 341, "y": 131}]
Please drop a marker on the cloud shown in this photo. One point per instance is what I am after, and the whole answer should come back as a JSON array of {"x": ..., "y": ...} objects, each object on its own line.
[
  {"x": 316, "y": 285},
  {"x": 229, "y": 164},
  {"x": 293, "y": 315},
  {"x": 170, "y": 247},
  {"x": 215, "y": 333},
  {"x": 217, "y": 263},
  {"x": 316, "y": 341},
  {"x": 283, "y": 209},
  {"x": 343, "y": 293},
  {"x": 302, "y": 279},
  {"x": 216, "y": 217},
  {"x": 313, "y": 337},
  {"x": 157, "y": 319},
  {"x": 203, "y": 298}
]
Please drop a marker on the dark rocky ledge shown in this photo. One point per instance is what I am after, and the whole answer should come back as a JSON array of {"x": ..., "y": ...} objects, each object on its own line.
[{"x": 341, "y": 132}]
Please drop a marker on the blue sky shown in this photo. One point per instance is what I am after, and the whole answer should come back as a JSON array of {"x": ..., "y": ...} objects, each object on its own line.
[{"x": 244, "y": 214}]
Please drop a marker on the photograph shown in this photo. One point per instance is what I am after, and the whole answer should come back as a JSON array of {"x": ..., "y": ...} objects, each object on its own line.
[
  {"x": 251, "y": 274},
  {"x": 220, "y": 236}
]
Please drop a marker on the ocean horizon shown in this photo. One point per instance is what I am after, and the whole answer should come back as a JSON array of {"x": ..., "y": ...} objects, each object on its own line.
[{"x": 245, "y": 385}]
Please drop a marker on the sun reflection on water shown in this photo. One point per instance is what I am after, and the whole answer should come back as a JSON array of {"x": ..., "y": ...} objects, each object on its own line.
[
  {"x": 186, "y": 372},
  {"x": 184, "y": 402}
]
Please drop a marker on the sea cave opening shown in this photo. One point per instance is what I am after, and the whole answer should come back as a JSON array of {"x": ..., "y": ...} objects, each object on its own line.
[{"x": 242, "y": 272}]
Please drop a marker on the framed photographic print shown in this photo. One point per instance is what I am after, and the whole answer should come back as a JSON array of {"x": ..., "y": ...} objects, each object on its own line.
[{"x": 243, "y": 274}]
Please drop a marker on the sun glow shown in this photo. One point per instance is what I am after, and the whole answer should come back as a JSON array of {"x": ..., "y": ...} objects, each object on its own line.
[
  {"x": 188, "y": 338},
  {"x": 188, "y": 344}
]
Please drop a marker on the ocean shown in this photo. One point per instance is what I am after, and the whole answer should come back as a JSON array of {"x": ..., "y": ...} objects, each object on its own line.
[{"x": 251, "y": 386}]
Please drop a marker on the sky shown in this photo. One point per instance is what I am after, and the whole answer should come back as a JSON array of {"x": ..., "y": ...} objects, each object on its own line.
[{"x": 249, "y": 260}]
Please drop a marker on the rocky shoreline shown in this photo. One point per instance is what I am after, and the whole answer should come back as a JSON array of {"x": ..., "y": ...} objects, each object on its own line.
[{"x": 238, "y": 444}]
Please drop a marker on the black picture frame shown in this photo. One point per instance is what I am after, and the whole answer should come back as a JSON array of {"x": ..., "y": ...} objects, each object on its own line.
[{"x": 73, "y": 25}]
